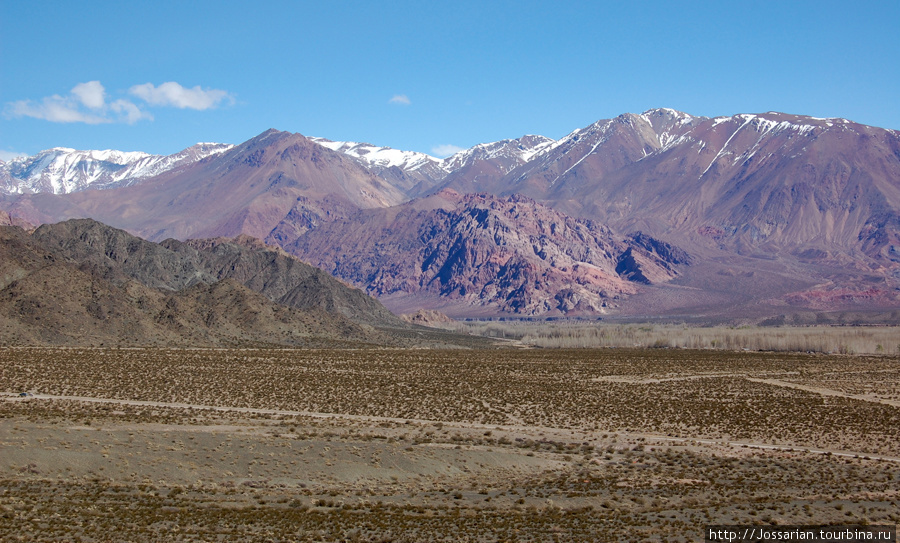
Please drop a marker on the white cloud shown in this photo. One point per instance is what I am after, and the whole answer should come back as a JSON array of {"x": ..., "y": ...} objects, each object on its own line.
[
  {"x": 446, "y": 150},
  {"x": 173, "y": 94},
  {"x": 400, "y": 99},
  {"x": 56, "y": 109},
  {"x": 90, "y": 94},
  {"x": 86, "y": 103}
]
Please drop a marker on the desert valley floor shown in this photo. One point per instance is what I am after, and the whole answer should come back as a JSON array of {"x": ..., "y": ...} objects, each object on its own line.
[{"x": 440, "y": 445}]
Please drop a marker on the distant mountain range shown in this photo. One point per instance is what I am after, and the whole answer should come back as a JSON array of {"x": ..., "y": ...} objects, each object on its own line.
[
  {"x": 61, "y": 170},
  {"x": 661, "y": 213}
]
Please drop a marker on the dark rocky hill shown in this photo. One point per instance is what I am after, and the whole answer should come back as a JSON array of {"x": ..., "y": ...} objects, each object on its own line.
[
  {"x": 84, "y": 283},
  {"x": 173, "y": 265},
  {"x": 284, "y": 279}
]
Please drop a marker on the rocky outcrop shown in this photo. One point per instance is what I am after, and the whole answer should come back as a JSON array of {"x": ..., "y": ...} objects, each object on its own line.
[
  {"x": 427, "y": 317},
  {"x": 503, "y": 255}
]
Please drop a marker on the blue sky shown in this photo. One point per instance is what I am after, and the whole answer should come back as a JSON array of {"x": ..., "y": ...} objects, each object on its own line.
[{"x": 425, "y": 76}]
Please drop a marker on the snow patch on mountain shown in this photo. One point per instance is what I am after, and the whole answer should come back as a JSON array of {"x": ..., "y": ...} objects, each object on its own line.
[
  {"x": 62, "y": 170},
  {"x": 384, "y": 157},
  {"x": 516, "y": 151},
  {"x": 519, "y": 150}
]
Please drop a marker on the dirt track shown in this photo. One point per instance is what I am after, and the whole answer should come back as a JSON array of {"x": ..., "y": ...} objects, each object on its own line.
[
  {"x": 508, "y": 429},
  {"x": 826, "y": 391}
]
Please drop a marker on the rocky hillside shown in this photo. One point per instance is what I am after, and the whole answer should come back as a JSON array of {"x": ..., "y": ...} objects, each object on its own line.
[
  {"x": 84, "y": 283},
  {"x": 283, "y": 278},
  {"x": 477, "y": 254},
  {"x": 172, "y": 265}
]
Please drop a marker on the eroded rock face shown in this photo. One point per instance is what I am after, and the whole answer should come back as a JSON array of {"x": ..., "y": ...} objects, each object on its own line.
[{"x": 512, "y": 255}]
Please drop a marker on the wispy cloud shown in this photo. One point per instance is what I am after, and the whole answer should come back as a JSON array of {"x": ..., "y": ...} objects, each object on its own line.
[
  {"x": 85, "y": 103},
  {"x": 400, "y": 99},
  {"x": 56, "y": 109},
  {"x": 128, "y": 111},
  {"x": 446, "y": 150},
  {"x": 88, "y": 103},
  {"x": 172, "y": 94}
]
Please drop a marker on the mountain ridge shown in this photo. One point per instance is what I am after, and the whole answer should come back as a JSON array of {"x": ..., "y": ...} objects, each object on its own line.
[
  {"x": 62, "y": 170},
  {"x": 773, "y": 209},
  {"x": 48, "y": 299},
  {"x": 173, "y": 266}
]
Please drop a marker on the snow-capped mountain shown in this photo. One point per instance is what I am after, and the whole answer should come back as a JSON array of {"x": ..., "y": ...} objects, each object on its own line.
[
  {"x": 62, "y": 170},
  {"x": 412, "y": 172},
  {"x": 509, "y": 153},
  {"x": 521, "y": 150},
  {"x": 384, "y": 157},
  {"x": 418, "y": 173}
]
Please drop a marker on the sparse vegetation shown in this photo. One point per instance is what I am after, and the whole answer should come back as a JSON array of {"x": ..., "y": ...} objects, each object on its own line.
[
  {"x": 587, "y": 334},
  {"x": 406, "y": 445}
]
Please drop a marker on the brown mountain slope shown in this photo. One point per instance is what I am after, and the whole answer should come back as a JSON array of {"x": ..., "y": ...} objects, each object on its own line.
[
  {"x": 477, "y": 254},
  {"x": 769, "y": 182},
  {"x": 48, "y": 298},
  {"x": 780, "y": 210},
  {"x": 48, "y": 301},
  {"x": 119, "y": 257},
  {"x": 247, "y": 190},
  {"x": 10, "y": 220}
]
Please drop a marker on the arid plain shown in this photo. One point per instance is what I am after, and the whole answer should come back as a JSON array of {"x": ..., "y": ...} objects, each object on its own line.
[{"x": 440, "y": 445}]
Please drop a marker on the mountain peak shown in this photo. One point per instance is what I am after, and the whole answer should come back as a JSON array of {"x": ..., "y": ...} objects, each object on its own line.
[
  {"x": 667, "y": 112},
  {"x": 382, "y": 157},
  {"x": 512, "y": 152},
  {"x": 269, "y": 136}
]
